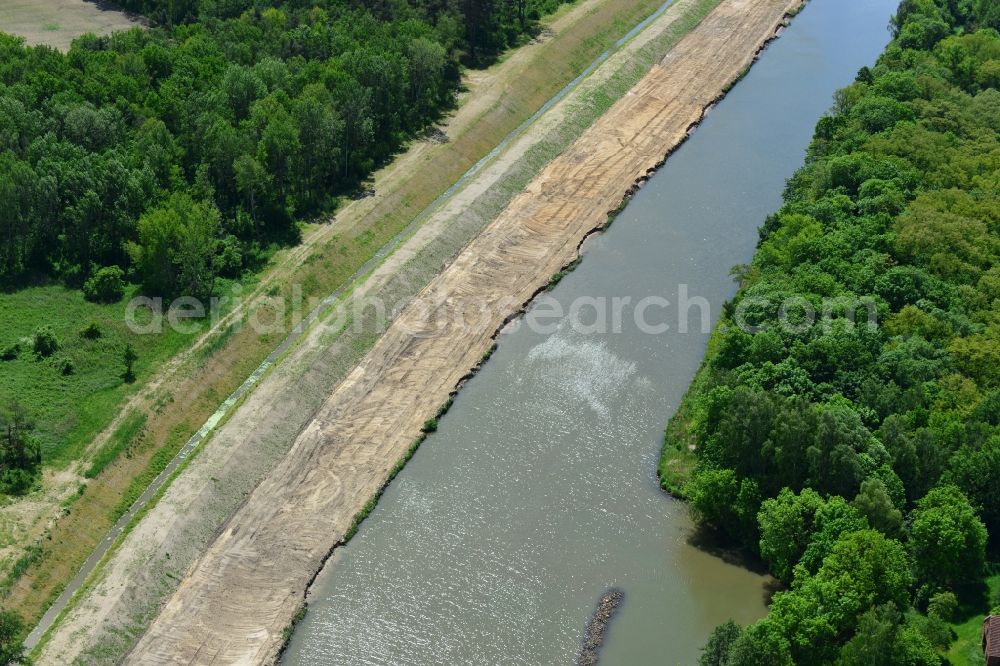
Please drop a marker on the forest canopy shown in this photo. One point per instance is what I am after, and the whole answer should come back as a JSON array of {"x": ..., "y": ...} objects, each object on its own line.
[
  {"x": 860, "y": 460},
  {"x": 253, "y": 114}
]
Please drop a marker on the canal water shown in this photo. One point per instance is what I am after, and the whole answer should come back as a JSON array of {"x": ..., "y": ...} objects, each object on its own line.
[{"x": 539, "y": 490}]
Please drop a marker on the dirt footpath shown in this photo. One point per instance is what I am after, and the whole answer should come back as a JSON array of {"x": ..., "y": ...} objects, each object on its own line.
[{"x": 232, "y": 606}]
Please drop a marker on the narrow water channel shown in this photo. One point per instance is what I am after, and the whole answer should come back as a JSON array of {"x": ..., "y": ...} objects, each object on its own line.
[{"x": 539, "y": 490}]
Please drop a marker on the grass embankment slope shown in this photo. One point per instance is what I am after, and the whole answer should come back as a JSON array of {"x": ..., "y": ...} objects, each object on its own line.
[
  {"x": 344, "y": 455},
  {"x": 858, "y": 456},
  {"x": 183, "y": 378}
]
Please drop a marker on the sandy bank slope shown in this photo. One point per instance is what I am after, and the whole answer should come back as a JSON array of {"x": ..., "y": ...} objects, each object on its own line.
[{"x": 233, "y": 605}]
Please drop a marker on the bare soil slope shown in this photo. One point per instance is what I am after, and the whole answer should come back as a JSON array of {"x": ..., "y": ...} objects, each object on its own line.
[{"x": 233, "y": 605}]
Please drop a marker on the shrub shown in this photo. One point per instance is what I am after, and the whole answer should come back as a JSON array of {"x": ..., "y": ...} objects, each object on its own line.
[
  {"x": 91, "y": 332},
  {"x": 943, "y": 605},
  {"x": 129, "y": 357},
  {"x": 107, "y": 285},
  {"x": 16, "y": 481},
  {"x": 431, "y": 425},
  {"x": 65, "y": 366},
  {"x": 10, "y": 352},
  {"x": 45, "y": 343}
]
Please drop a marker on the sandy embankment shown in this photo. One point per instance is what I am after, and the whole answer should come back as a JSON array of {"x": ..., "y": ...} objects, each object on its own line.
[{"x": 234, "y": 604}]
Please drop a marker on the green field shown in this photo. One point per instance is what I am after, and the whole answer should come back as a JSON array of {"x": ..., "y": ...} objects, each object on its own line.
[{"x": 70, "y": 409}]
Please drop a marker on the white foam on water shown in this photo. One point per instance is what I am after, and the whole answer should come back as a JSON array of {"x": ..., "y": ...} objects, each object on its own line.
[{"x": 581, "y": 368}]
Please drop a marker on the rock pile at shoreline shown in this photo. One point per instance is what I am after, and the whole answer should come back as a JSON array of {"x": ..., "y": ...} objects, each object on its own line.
[{"x": 609, "y": 604}]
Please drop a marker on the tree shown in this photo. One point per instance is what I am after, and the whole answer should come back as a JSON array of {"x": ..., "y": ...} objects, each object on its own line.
[
  {"x": 863, "y": 569},
  {"x": 873, "y": 644},
  {"x": 833, "y": 518},
  {"x": 947, "y": 539},
  {"x": 738, "y": 426},
  {"x": 177, "y": 244},
  {"x": 354, "y": 102},
  {"x": 19, "y": 209},
  {"x": 18, "y": 447},
  {"x": 242, "y": 88},
  {"x": 793, "y": 431},
  {"x": 874, "y": 503},
  {"x": 480, "y": 24},
  {"x": 20, "y": 454},
  {"x": 761, "y": 644},
  {"x": 12, "y": 650},
  {"x": 914, "y": 649},
  {"x": 129, "y": 357},
  {"x": 989, "y": 13},
  {"x": 252, "y": 181},
  {"x": 882, "y": 639},
  {"x": 835, "y": 466},
  {"x": 426, "y": 61},
  {"x": 943, "y": 605},
  {"x": 786, "y": 528},
  {"x": 321, "y": 135},
  {"x": 279, "y": 142},
  {"x": 717, "y": 650},
  {"x": 976, "y": 471},
  {"x": 722, "y": 500}
]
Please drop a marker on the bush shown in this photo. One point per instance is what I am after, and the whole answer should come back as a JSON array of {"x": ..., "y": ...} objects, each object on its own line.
[
  {"x": 129, "y": 357},
  {"x": 65, "y": 366},
  {"x": 16, "y": 481},
  {"x": 45, "y": 343},
  {"x": 107, "y": 285},
  {"x": 933, "y": 628},
  {"x": 10, "y": 352},
  {"x": 943, "y": 605},
  {"x": 92, "y": 332}
]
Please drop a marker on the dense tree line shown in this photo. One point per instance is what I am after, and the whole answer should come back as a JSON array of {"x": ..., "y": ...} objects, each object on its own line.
[
  {"x": 861, "y": 462},
  {"x": 177, "y": 153},
  {"x": 486, "y": 26}
]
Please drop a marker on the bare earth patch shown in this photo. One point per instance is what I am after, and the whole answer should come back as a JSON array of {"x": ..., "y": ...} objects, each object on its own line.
[{"x": 57, "y": 23}]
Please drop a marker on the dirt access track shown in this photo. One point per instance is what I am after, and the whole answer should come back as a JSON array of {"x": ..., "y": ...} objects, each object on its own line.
[{"x": 233, "y": 605}]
